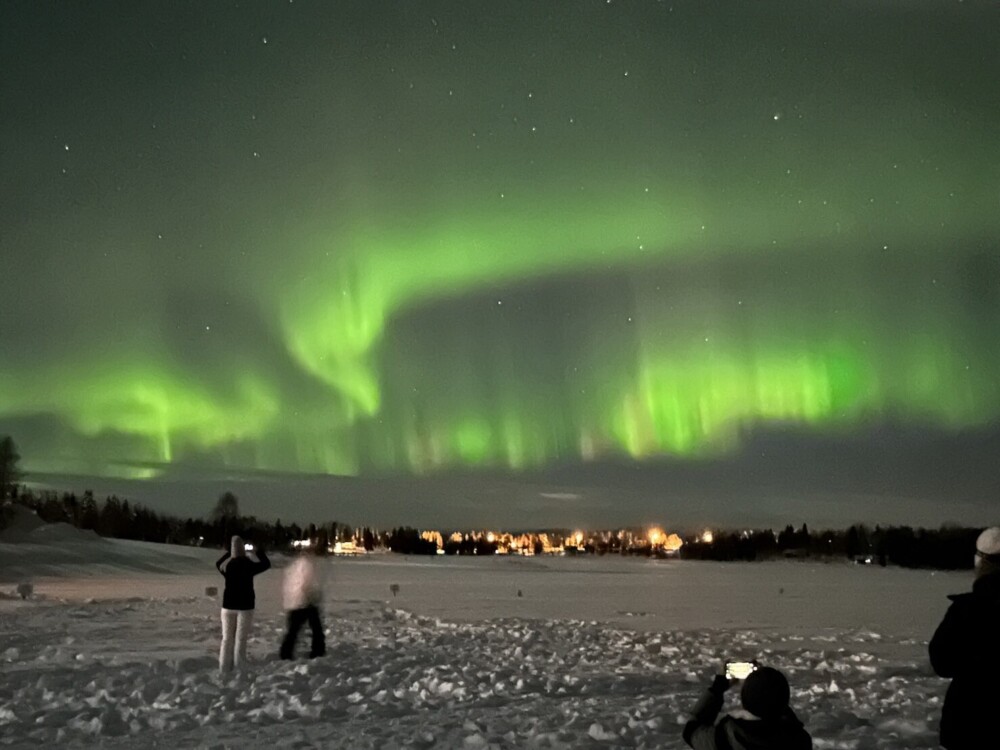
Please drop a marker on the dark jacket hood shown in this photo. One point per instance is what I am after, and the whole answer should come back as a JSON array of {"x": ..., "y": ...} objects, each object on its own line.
[{"x": 786, "y": 733}]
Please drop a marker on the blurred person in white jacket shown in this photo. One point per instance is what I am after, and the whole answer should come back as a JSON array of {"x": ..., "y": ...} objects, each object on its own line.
[{"x": 303, "y": 593}]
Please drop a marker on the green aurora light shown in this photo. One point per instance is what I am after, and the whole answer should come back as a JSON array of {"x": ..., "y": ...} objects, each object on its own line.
[{"x": 644, "y": 240}]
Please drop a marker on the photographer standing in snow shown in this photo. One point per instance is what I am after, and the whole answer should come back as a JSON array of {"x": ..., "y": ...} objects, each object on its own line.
[
  {"x": 966, "y": 648},
  {"x": 238, "y": 601},
  {"x": 766, "y": 722},
  {"x": 303, "y": 593}
]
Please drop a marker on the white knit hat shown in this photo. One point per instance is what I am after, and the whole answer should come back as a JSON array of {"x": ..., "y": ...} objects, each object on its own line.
[
  {"x": 988, "y": 551},
  {"x": 236, "y": 547}
]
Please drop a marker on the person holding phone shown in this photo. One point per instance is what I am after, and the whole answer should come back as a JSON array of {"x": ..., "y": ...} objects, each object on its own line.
[
  {"x": 238, "y": 601},
  {"x": 966, "y": 648},
  {"x": 767, "y": 721}
]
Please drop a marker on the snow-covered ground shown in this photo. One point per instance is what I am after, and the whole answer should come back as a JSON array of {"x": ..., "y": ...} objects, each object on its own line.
[{"x": 593, "y": 652}]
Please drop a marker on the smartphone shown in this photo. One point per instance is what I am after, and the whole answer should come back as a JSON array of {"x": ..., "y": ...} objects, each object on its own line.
[
  {"x": 248, "y": 547},
  {"x": 739, "y": 670}
]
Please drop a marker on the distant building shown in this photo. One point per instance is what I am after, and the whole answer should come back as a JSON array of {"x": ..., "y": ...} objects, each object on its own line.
[{"x": 347, "y": 548}]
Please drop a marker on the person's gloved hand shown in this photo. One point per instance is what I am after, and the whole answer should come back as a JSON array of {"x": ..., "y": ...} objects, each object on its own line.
[{"x": 720, "y": 684}]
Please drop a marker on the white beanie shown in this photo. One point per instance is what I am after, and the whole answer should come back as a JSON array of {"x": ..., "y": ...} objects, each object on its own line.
[
  {"x": 988, "y": 551},
  {"x": 236, "y": 547}
]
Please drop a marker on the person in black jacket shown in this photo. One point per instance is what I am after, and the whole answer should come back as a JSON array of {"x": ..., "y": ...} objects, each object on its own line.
[
  {"x": 767, "y": 722},
  {"x": 966, "y": 648},
  {"x": 238, "y": 601}
]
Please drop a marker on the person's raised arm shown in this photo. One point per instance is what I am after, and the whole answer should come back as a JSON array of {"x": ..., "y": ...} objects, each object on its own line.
[
  {"x": 262, "y": 563},
  {"x": 220, "y": 561},
  {"x": 699, "y": 732}
]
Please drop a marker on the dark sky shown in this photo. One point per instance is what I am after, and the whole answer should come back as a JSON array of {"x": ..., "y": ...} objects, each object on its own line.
[{"x": 506, "y": 262}]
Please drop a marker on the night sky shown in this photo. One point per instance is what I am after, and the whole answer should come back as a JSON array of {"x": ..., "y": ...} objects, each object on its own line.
[{"x": 510, "y": 262}]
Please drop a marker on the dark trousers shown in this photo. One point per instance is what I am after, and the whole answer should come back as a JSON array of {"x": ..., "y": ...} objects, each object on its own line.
[{"x": 296, "y": 619}]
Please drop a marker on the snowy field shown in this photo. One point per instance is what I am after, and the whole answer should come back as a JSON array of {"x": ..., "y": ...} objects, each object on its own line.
[{"x": 118, "y": 646}]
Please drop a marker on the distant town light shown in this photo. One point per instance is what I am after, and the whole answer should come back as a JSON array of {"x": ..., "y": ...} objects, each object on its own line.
[
  {"x": 348, "y": 548},
  {"x": 707, "y": 537}
]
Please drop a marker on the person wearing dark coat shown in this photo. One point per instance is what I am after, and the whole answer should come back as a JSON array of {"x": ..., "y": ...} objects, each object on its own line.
[
  {"x": 238, "y": 601},
  {"x": 766, "y": 722},
  {"x": 966, "y": 648}
]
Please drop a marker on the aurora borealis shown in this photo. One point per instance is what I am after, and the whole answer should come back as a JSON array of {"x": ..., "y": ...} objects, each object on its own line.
[{"x": 411, "y": 238}]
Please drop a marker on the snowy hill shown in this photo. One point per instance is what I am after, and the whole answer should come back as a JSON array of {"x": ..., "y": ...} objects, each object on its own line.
[{"x": 31, "y": 548}]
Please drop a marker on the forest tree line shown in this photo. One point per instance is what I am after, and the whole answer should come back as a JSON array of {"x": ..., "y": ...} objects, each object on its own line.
[{"x": 944, "y": 548}]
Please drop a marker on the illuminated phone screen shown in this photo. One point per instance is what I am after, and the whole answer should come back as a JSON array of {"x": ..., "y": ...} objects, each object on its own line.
[{"x": 739, "y": 670}]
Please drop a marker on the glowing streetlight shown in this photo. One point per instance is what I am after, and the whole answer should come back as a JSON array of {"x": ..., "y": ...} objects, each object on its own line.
[
  {"x": 707, "y": 537},
  {"x": 673, "y": 543}
]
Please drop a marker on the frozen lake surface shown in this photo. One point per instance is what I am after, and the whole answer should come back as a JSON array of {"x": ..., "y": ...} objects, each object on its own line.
[{"x": 595, "y": 652}]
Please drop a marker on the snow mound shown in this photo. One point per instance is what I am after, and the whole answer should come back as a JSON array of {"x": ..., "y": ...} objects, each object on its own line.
[
  {"x": 23, "y": 526},
  {"x": 18, "y": 521},
  {"x": 62, "y": 533},
  {"x": 61, "y": 551}
]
